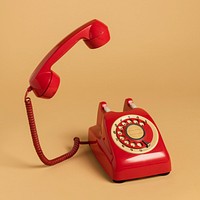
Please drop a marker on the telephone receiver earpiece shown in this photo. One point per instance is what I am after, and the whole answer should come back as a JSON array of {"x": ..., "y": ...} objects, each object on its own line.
[{"x": 44, "y": 82}]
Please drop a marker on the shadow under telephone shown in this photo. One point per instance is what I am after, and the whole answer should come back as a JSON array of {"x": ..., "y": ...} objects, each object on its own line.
[{"x": 127, "y": 144}]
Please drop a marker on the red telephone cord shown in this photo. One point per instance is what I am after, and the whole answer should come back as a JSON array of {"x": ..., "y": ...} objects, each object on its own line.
[{"x": 35, "y": 138}]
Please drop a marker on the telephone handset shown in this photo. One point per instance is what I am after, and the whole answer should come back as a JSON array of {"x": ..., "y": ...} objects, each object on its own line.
[
  {"x": 127, "y": 144},
  {"x": 44, "y": 82}
]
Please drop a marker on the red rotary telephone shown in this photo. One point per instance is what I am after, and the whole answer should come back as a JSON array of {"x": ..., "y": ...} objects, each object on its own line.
[{"x": 127, "y": 144}]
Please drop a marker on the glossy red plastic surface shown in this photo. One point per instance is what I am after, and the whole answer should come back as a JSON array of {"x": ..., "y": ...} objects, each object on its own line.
[
  {"x": 44, "y": 81},
  {"x": 119, "y": 164}
]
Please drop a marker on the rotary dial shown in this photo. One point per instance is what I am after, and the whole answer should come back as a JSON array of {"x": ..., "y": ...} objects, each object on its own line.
[{"x": 134, "y": 134}]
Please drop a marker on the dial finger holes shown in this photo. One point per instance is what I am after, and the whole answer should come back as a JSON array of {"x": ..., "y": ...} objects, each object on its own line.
[
  {"x": 141, "y": 123},
  {"x": 139, "y": 144},
  {"x": 119, "y": 133},
  {"x": 126, "y": 142},
  {"x": 124, "y": 123},
  {"x": 129, "y": 121},
  {"x": 121, "y": 138},
  {"x": 133, "y": 144}
]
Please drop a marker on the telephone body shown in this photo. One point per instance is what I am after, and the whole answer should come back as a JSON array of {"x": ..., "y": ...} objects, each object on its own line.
[{"x": 128, "y": 144}]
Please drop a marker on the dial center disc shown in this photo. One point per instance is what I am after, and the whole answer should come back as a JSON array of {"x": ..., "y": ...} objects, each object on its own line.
[{"x": 134, "y": 131}]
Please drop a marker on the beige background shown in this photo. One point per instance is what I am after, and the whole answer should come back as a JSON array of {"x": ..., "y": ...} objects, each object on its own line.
[{"x": 153, "y": 57}]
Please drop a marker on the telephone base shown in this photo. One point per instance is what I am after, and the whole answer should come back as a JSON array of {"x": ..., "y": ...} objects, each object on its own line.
[
  {"x": 120, "y": 169},
  {"x": 128, "y": 144}
]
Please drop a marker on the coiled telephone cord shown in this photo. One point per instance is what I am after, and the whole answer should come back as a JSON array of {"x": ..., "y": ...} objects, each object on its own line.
[{"x": 35, "y": 138}]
